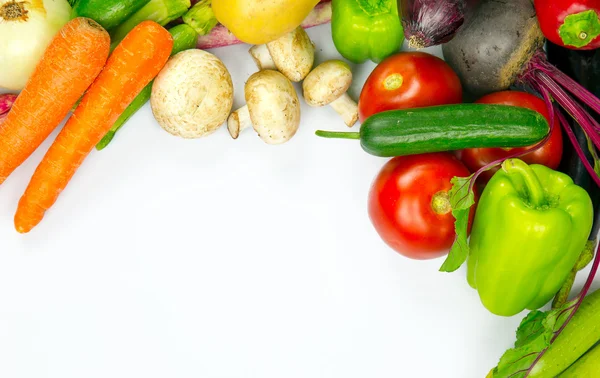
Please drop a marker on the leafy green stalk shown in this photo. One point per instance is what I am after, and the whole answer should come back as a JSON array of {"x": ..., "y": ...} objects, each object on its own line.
[
  {"x": 137, "y": 103},
  {"x": 160, "y": 11},
  {"x": 201, "y": 17},
  {"x": 587, "y": 255},
  {"x": 540, "y": 351},
  {"x": 586, "y": 366},
  {"x": 461, "y": 199},
  {"x": 184, "y": 38}
]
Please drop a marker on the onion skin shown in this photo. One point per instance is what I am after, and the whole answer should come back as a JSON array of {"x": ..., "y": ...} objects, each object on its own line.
[
  {"x": 433, "y": 22},
  {"x": 25, "y": 39},
  {"x": 6, "y": 102}
]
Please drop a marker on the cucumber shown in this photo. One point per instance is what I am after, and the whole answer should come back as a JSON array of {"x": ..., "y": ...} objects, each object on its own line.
[
  {"x": 447, "y": 128},
  {"x": 108, "y": 13}
]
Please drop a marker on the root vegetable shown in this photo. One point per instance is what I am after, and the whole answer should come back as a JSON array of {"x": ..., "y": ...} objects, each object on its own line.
[
  {"x": 272, "y": 108},
  {"x": 327, "y": 84},
  {"x": 27, "y": 27},
  {"x": 433, "y": 22},
  {"x": 293, "y": 55},
  {"x": 6, "y": 102},
  {"x": 133, "y": 64},
  {"x": 74, "y": 58},
  {"x": 493, "y": 47},
  {"x": 184, "y": 38},
  {"x": 193, "y": 94}
]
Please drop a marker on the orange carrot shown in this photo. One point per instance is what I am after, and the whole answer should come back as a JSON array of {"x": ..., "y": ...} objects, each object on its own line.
[
  {"x": 69, "y": 65},
  {"x": 131, "y": 66}
]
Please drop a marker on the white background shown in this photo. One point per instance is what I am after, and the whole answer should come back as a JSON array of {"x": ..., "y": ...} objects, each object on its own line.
[{"x": 218, "y": 258}]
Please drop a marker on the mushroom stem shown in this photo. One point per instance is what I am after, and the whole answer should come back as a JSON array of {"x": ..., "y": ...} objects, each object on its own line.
[
  {"x": 347, "y": 108},
  {"x": 238, "y": 121},
  {"x": 262, "y": 57}
]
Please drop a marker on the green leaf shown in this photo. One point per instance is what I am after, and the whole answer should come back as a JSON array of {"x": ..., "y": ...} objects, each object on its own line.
[
  {"x": 461, "y": 199},
  {"x": 579, "y": 29},
  {"x": 534, "y": 336}
]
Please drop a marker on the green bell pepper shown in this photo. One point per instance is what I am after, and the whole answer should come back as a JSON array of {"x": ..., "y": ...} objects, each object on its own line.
[
  {"x": 530, "y": 227},
  {"x": 366, "y": 29}
]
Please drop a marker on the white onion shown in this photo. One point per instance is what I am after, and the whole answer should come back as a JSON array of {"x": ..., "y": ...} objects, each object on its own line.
[{"x": 26, "y": 29}]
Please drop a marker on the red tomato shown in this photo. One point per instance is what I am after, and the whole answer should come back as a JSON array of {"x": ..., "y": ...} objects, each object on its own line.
[
  {"x": 548, "y": 155},
  {"x": 409, "y": 206},
  {"x": 409, "y": 80},
  {"x": 570, "y": 23}
]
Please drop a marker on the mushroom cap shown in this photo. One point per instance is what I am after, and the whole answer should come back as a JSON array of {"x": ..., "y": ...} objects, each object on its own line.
[
  {"x": 192, "y": 95},
  {"x": 273, "y": 106},
  {"x": 293, "y": 54},
  {"x": 327, "y": 82}
]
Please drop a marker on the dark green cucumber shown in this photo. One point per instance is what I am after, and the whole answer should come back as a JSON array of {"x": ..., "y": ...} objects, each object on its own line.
[
  {"x": 108, "y": 13},
  {"x": 447, "y": 128}
]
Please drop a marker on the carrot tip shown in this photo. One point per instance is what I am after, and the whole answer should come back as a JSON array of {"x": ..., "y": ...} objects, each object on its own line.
[{"x": 22, "y": 229}]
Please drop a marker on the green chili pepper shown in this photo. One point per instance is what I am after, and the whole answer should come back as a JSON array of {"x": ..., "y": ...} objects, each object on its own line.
[
  {"x": 366, "y": 29},
  {"x": 529, "y": 230}
]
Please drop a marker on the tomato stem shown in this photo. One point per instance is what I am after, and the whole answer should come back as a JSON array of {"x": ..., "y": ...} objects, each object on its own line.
[{"x": 440, "y": 203}]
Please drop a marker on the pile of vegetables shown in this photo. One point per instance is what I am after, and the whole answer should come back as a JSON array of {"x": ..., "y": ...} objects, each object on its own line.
[{"x": 491, "y": 183}]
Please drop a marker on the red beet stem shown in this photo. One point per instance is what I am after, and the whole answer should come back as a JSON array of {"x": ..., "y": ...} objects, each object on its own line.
[
  {"x": 220, "y": 36},
  {"x": 587, "y": 97},
  {"x": 571, "y": 135},
  {"x": 431, "y": 22}
]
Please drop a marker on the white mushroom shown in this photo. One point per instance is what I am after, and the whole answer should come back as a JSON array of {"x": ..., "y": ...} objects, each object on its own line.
[
  {"x": 293, "y": 55},
  {"x": 272, "y": 108},
  {"x": 327, "y": 84},
  {"x": 192, "y": 95}
]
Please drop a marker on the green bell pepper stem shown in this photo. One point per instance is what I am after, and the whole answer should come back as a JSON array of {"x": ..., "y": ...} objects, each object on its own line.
[
  {"x": 201, "y": 17},
  {"x": 160, "y": 11},
  {"x": 366, "y": 29},
  {"x": 532, "y": 185},
  {"x": 184, "y": 38},
  {"x": 337, "y": 134}
]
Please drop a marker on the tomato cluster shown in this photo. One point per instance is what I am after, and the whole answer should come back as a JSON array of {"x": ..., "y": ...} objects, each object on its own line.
[{"x": 408, "y": 203}]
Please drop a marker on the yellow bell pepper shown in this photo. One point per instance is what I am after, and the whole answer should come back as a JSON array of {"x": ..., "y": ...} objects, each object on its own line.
[{"x": 261, "y": 21}]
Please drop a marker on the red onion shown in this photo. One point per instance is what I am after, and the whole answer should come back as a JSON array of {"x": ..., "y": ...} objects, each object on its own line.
[
  {"x": 433, "y": 22},
  {"x": 6, "y": 102}
]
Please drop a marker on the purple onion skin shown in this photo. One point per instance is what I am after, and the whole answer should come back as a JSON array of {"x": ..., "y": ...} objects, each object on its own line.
[
  {"x": 6, "y": 102},
  {"x": 433, "y": 22}
]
